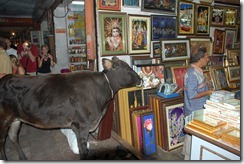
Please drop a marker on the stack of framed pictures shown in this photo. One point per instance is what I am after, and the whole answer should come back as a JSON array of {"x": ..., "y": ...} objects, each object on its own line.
[{"x": 169, "y": 115}]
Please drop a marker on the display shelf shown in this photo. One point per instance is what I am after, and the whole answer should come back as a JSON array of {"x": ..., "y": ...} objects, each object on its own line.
[{"x": 75, "y": 21}]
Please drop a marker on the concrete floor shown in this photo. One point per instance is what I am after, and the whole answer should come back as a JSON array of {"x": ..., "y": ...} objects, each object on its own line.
[{"x": 53, "y": 145}]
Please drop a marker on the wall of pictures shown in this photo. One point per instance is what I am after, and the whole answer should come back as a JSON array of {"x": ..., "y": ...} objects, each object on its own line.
[{"x": 168, "y": 31}]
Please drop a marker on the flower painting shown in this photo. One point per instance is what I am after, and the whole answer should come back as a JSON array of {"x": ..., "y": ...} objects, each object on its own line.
[{"x": 149, "y": 136}]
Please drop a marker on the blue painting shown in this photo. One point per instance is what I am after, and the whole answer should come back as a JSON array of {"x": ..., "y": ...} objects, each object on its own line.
[
  {"x": 149, "y": 136},
  {"x": 131, "y": 2},
  {"x": 175, "y": 125},
  {"x": 163, "y": 27}
]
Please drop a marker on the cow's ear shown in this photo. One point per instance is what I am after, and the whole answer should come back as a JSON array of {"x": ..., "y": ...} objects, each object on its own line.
[
  {"x": 115, "y": 58},
  {"x": 107, "y": 64}
]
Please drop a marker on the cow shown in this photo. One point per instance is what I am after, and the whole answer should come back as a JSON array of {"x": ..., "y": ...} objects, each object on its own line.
[{"x": 76, "y": 100}]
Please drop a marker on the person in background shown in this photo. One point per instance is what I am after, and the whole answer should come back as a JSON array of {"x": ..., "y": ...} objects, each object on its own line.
[
  {"x": 16, "y": 66},
  {"x": 5, "y": 62},
  {"x": 12, "y": 45},
  {"x": 9, "y": 49},
  {"x": 45, "y": 61},
  {"x": 27, "y": 55},
  {"x": 196, "y": 90}
]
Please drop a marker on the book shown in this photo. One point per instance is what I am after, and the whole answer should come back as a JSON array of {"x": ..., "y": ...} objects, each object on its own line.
[{"x": 232, "y": 103}]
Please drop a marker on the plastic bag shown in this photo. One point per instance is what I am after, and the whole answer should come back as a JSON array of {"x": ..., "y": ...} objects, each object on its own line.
[{"x": 72, "y": 140}]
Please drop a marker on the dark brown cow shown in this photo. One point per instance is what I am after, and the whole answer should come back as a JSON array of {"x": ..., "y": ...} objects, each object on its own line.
[{"x": 74, "y": 100}]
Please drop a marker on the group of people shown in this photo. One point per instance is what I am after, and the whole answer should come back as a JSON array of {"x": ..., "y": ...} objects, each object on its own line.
[{"x": 24, "y": 59}]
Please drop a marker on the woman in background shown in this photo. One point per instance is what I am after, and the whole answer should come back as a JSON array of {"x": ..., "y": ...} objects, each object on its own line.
[
  {"x": 45, "y": 61},
  {"x": 16, "y": 66}
]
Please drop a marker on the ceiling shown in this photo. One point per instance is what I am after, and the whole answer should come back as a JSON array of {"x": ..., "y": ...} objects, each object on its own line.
[{"x": 23, "y": 15}]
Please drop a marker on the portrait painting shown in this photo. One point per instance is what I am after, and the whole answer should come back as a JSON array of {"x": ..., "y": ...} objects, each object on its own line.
[
  {"x": 149, "y": 133},
  {"x": 175, "y": 125},
  {"x": 217, "y": 16},
  {"x": 178, "y": 75},
  {"x": 163, "y": 27},
  {"x": 186, "y": 13},
  {"x": 221, "y": 78},
  {"x": 160, "y": 6},
  {"x": 230, "y": 38},
  {"x": 219, "y": 41},
  {"x": 209, "y": 79},
  {"x": 109, "y": 5},
  {"x": 156, "y": 50},
  {"x": 202, "y": 20},
  {"x": 113, "y": 33},
  {"x": 175, "y": 49},
  {"x": 139, "y": 33}
]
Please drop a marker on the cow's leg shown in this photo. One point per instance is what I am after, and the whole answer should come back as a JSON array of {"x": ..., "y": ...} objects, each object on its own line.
[
  {"x": 82, "y": 138},
  {"x": 14, "y": 138},
  {"x": 3, "y": 134}
]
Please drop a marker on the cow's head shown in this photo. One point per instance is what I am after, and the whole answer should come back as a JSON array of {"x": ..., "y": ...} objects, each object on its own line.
[{"x": 120, "y": 74}]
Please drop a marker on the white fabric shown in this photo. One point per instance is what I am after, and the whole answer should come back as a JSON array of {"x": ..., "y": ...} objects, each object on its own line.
[
  {"x": 186, "y": 150},
  {"x": 71, "y": 139},
  {"x": 12, "y": 51}
]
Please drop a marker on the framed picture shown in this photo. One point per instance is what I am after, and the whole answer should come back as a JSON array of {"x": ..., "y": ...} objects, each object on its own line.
[
  {"x": 163, "y": 27},
  {"x": 158, "y": 6},
  {"x": 131, "y": 3},
  {"x": 217, "y": 16},
  {"x": 209, "y": 78},
  {"x": 233, "y": 54},
  {"x": 220, "y": 77},
  {"x": 202, "y": 21},
  {"x": 230, "y": 38},
  {"x": 152, "y": 75},
  {"x": 230, "y": 17},
  {"x": 219, "y": 41},
  {"x": 175, "y": 49},
  {"x": 149, "y": 133},
  {"x": 113, "y": 33},
  {"x": 238, "y": 34},
  {"x": 197, "y": 42},
  {"x": 234, "y": 73},
  {"x": 156, "y": 50},
  {"x": 186, "y": 18},
  {"x": 175, "y": 125},
  {"x": 109, "y": 5},
  {"x": 178, "y": 74},
  {"x": 139, "y": 32}
]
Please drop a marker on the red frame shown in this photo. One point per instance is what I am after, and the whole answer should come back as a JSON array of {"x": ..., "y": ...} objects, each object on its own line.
[{"x": 116, "y": 7}]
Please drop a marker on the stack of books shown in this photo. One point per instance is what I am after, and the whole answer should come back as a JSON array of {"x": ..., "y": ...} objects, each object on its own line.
[{"x": 223, "y": 106}]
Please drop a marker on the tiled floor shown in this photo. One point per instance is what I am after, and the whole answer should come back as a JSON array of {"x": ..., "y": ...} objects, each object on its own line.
[{"x": 53, "y": 145}]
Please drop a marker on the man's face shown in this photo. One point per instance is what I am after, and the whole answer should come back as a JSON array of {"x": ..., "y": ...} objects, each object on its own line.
[
  {"x": 115, "y": 32},
  {"x": 26, "y": 46}
]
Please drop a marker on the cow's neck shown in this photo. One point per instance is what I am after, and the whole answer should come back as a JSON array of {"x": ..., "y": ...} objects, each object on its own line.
[{"x": 112, "y": 92}]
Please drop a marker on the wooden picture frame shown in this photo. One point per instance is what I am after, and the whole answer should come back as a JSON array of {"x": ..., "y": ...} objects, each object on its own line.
[
  {"x": 230, "y": 38},
  {"x": 234, "y": 73},
  {"x": 186, "y": 12},
  {"x": 109, "y": 5},
  {"x": 238, "y": 34},
  {"x": 156, "y": 50},
  {"x": 219, "y": 41},
  {"x": 149, "y": 133},
  {"x": 217, "y": 16},
  {"x": 202, "y": 19},
  {"x": 208, "y": 74},
  {"x": 178, "y": 74},
  {"x": 220, "y": 77},
  {"x": 230, "y": 17},
  {"x": 139, "y": 32},
  {"x": 131, "y": 3},
  {"x": 113, "y": 45},
  {"x": 175, "y": 125},
  {"x": 163, "y": 27},
  {"x": 232, "y": 55},
  {"x": 151, "y": 75},
  {"x": 197, "y": 42},
  {"x": 175, "y": 49},
  {"x": 162, "y": 7}
]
